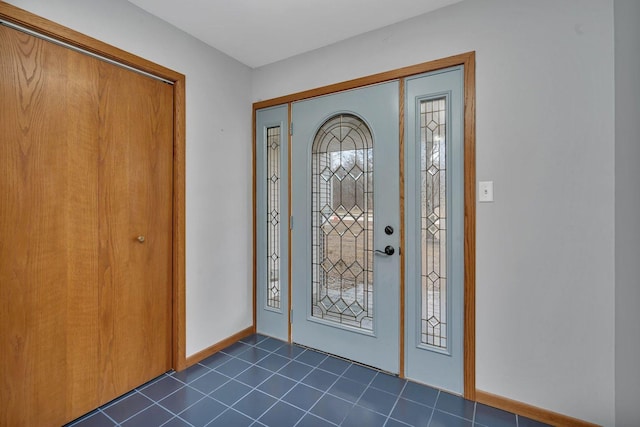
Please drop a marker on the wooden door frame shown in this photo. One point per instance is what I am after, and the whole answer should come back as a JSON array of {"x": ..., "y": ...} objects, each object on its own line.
[
  {"x": 468, "y": 61},
  {"x": 73, "y": 38}
]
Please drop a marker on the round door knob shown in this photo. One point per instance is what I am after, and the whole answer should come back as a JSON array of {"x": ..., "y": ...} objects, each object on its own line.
[{"x": 140, "y": 239}]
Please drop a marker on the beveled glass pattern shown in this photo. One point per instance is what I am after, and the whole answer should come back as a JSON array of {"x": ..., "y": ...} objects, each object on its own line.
[
  {"x": 433, "y": 115},
  {"x": 342, "y": 222},
  {"x": 273, "y": 216}
]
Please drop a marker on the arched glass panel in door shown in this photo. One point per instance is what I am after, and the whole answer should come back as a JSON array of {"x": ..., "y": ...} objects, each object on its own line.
[{"x": 342, "y": 222}]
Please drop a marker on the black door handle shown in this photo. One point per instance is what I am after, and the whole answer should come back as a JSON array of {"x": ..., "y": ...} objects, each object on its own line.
[{"x": 388, "y": 250}]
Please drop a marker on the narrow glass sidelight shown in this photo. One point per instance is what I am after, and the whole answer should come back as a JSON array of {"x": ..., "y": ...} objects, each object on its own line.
[
  {"x": 433, "y": 113},
  {"x": 273, "y": 216},
  {"x": 342, "y": 222}
]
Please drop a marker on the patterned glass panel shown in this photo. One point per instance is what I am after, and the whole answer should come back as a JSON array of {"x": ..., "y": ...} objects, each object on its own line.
[
  {"x": 273, "y": 217},
  {"x": 342, "y": 222},
  {"x": 433, "y": 219}
]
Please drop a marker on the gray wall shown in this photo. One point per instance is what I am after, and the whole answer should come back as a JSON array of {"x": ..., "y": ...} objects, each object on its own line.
[
  {"x": 218, "y": 175},
  {"x": 627, "y": 122},
  {"x": 545, "y": 126}
]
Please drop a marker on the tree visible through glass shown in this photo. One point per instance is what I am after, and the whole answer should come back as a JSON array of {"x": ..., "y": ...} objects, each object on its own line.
[{"x": 342, "y": 222}]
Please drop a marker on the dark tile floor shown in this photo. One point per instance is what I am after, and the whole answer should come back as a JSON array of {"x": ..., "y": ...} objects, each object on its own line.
[{"x": 261, "y": 381}]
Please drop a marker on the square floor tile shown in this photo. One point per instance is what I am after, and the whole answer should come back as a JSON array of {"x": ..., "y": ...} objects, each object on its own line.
[
  {"x": 231, "y": 418},
  {"x": 281, "y": 415},
  {"x": 455, "y": 405},
  {"x": 377, "y": 400},
  {"x": 359, "y": 417},
  {"x": 254, "y": 376},
  {"x": 253, "y": 355},
  {"x": 96, "y": 419},
  {"x": 254, "y": 404},
  {"x": 388, "y": 383},
  {"x": 527, "y": 422},
  {"x": 442, "y": 419},
  {"x": 273, "y": 362},
  {"x": 231, "y": 392},
  {"x": 277, "y": 385},
  {"x": 270, "y": 344},
  {"x": 253, "y": 339},
  {"x": 310, "y": 420},
  {"x": 295, "y": 370},
  {"x": 233, "y": 367},
  {"x": 191, "y": 373},
  {"x": 162, "y": 388},
  {"x": 176, "y": 422},
  {"x": 181, "y": 399},
  {"x": 395, "y": 423},
  {"x": 236, "y": 349},
  {"x": 347, "y": 389},
  {"x": 320, "y": 379},
  {"x": 489, "y": 416},
  {"x": 419, "y": 393},
  {"x": 334, "y": 365},
  {"x": 203, "y": 412},
  {"x": 331, "y": 408},
  {"x": 302, "y": 396},
  {"x": 152, "y": 416},
  {"x": 216, "y": 360},
  {"x": 209, "y": 382},
  {"x": 127, "y": 407},
  {"x": 411, "y": 413},
  {"x": 360, "y": 374},
  {"x": 290, "y": 351},
  {"x": 311, "y": 357}
]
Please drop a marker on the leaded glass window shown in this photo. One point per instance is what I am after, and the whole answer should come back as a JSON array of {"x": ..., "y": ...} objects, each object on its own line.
[
  {"x": 433, "y": 115},
  {"x": 273, "y": 217},
  {"x": 342, "y": 222}
]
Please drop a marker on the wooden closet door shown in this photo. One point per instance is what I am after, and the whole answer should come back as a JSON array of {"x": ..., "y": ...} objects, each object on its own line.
[
  {"x": 48, "y": 232},
  {"x": 86, "y": 152},
  {"x": 135, "y": 204}
]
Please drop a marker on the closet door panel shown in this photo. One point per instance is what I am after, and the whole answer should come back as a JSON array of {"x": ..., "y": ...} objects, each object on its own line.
[
  {"x": 135, "y": 204},
  {"x": 48, "y": 232}
]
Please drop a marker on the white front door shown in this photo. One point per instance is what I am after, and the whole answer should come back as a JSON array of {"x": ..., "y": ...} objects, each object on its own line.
[{"x": 345, "y": 230}]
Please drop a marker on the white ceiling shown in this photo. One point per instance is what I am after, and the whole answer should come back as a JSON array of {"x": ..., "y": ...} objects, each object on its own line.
[{"x": 259, "y": 32}]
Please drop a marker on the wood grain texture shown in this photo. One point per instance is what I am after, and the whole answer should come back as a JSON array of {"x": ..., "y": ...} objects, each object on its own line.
[
  {"x": 51, "y": 29},
  {"x": 403, "y": 248},
  {"x": 469, "y": 226},
  {"x": 179, "y": 339},
  {"x": 74, "y": 38},
  {"x": 52, "y": 189},
  {"x": 529, "y": 411},
  {"x": 48, "y": 206},
  {"x": 135, "y": 199}
]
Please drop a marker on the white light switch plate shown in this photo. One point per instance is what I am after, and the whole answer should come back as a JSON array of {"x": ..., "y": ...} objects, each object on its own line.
[{"x": 485, "y": 193}]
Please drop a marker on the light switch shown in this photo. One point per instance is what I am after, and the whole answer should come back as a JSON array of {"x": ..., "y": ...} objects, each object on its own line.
[{"x": 486, "y": 191}]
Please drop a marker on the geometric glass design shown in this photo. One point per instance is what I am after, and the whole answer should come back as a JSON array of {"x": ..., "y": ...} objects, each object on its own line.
[
  {"x": 273, "y": 217},
  {"x": 342, "y": 222},
  {"x": 433, "y": 114}
]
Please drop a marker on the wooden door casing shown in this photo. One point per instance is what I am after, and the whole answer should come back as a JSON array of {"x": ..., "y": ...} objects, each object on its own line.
[{"x": 85, "y": 167}]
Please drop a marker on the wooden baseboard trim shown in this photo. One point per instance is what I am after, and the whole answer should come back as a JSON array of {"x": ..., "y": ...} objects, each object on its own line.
[
  {"x": 529, "y": 411},
  {"x": 201, "y": 355}
]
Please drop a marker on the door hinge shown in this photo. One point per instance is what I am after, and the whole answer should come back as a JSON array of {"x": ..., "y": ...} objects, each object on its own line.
[
  {"x": 291, "y": 316},
  {"x": 291, "y": 128},
  {"x": 291, "y": 222}
]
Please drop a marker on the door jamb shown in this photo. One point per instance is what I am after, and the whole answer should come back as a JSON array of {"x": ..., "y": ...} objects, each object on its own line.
[
  {"x": 468, "y": 61},
  {"x": 55, "y": 31}
]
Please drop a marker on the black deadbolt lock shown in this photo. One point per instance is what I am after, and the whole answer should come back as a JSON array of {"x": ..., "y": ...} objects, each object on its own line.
[{"x": 388, "y": 230}]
